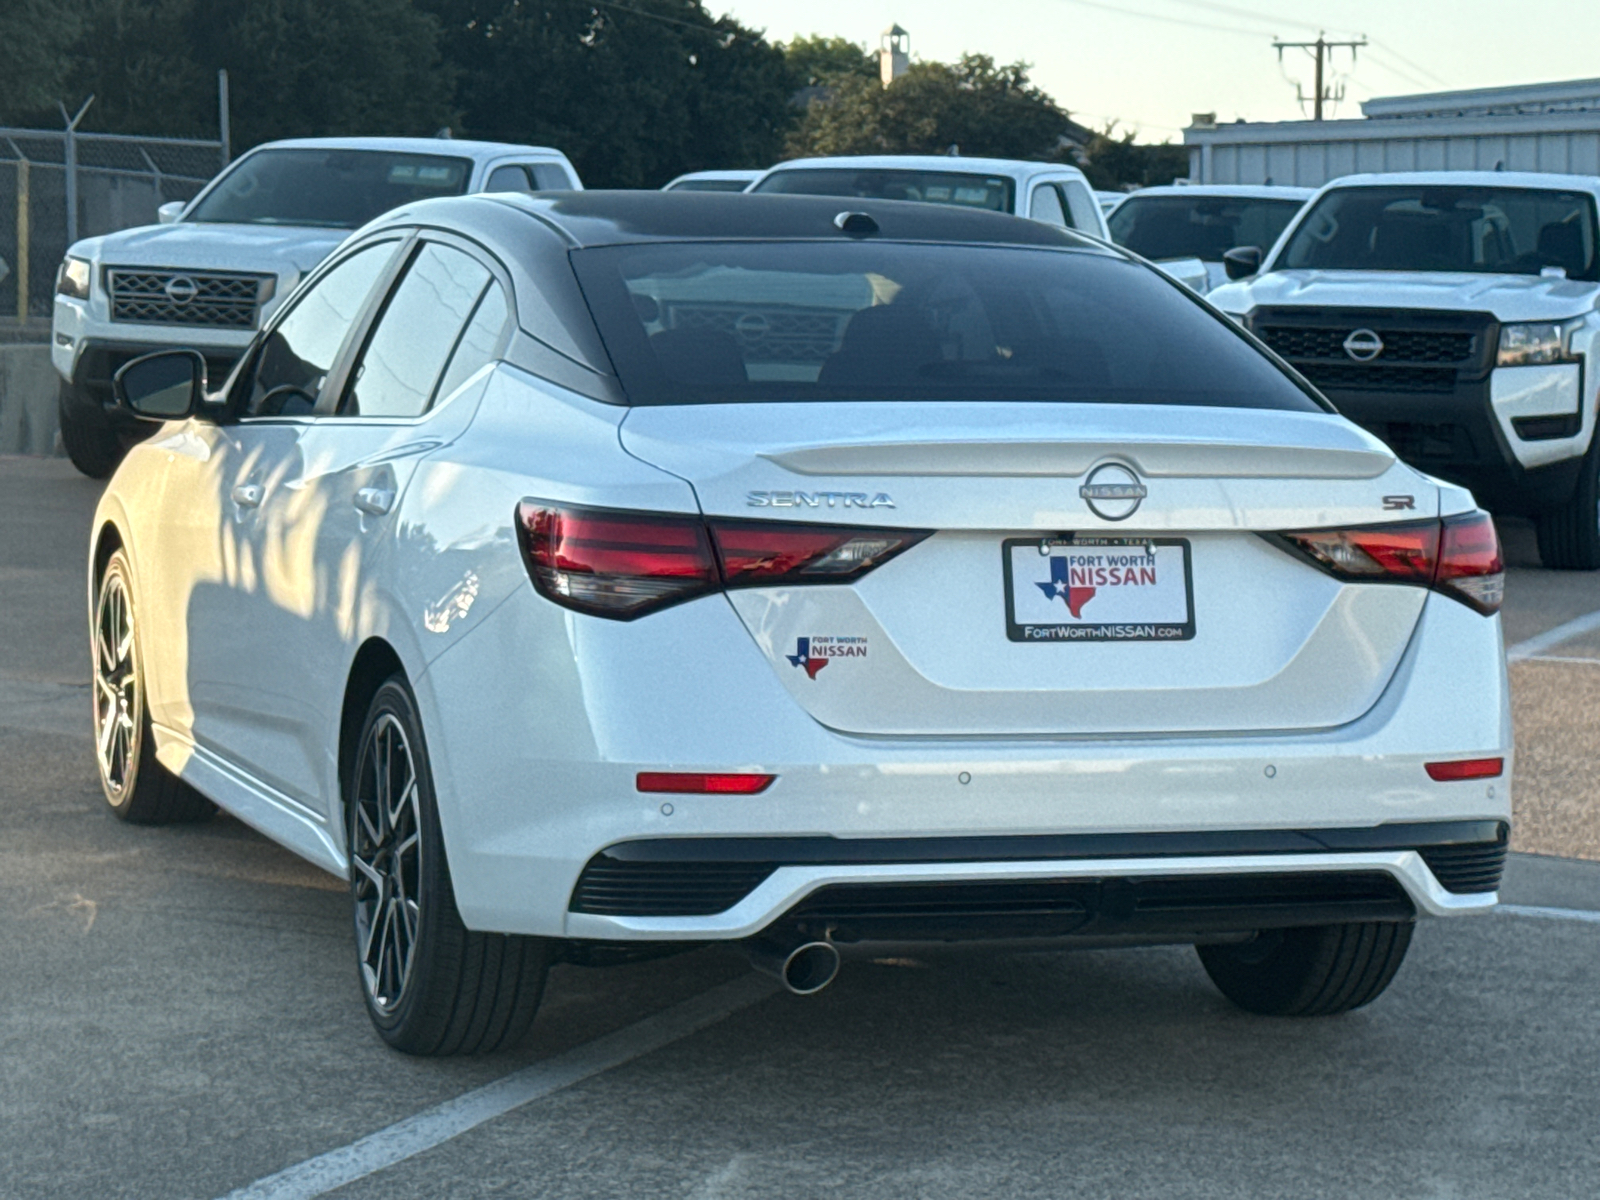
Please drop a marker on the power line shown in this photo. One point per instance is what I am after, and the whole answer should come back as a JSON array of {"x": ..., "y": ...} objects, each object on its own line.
[
  {"x": 1418, "y": 67},
  {"x": 1248, "y": 13},
  {"x": 1166, "y": 20}
]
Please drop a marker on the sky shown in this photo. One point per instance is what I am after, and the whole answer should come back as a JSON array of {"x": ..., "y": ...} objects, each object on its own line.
[{"x": 1150, "y": 64}]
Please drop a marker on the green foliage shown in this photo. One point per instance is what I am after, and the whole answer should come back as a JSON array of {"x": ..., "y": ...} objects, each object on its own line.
[
  {"x": 35, "y": 39},
  {"x": 1113, "y": 162},
  {"x": 984, "y": 109},
  {"x": 634, "y": 92},
  {"x": 295, "y": 67},
  {"x": 817, "y": 61}
]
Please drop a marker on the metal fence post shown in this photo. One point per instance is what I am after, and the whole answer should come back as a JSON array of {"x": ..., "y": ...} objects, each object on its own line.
[
  {"x": 223, "y": 121},
  {"x": 72, "y": 166},
  {"x": 23, "y": 198}
]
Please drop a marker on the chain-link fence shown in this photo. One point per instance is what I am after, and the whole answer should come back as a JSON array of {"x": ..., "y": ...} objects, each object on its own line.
[{"x": 53, "y": 190}]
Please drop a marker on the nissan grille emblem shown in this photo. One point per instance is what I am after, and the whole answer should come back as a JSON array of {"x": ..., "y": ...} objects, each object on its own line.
[
  {"x": 1113, "y": 492},
  {"x": 181, "y": 289},
  {"x": 1363, "y": 345}
]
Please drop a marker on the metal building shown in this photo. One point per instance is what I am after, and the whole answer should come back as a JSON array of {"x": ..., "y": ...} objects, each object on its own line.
[{"x": 1537, "y": 127}]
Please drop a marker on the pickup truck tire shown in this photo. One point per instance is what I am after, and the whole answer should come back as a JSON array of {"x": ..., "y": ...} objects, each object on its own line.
[
  {"x": 1313, "y": 972},
  {"x": 86, "y": 433},
  {"x": 1569, "y": 536}
]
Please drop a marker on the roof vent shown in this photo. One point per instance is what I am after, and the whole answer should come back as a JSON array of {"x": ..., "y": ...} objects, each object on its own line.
[{"x": 856, "y": 224}]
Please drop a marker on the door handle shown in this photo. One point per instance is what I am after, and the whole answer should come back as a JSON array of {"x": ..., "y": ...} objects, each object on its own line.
[
  {"x": 374, "y": 501},
  {"x": 247, "y": 495}
]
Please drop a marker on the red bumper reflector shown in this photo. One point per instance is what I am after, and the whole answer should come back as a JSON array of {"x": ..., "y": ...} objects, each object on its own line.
[
  {"x": 706, "y": 785},
  {"x": 1467, "y": 768}
]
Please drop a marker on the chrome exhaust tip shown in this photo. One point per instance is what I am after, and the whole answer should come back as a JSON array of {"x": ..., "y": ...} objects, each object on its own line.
[{"x": 804, "y": 968}]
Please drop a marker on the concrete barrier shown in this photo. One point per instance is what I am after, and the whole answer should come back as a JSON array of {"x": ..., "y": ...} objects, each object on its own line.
[{"x": 28, "y": 385}]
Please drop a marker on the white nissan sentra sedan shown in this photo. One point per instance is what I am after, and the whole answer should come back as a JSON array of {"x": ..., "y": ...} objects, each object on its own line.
[{"x": 585, "y": 573}]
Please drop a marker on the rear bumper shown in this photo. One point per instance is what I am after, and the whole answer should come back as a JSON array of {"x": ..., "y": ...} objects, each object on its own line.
[{"x": 1118, "y": 885}]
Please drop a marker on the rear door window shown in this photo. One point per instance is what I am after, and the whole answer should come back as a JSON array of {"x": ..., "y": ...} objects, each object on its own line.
[
  {"x": 1046, "y": 206},
  {"x": 706, "y": 322},
  {"x": 416, "y": 334}
]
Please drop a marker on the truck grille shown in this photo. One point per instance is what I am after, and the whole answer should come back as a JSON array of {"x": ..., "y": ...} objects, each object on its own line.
[
  {"x": 1422, "y": 351},
  {"x": 174, "y": 297}
]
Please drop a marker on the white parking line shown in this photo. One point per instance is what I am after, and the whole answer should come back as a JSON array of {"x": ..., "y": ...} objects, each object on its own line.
[
  {"x": 439, "y": 1124},
  {"x": 1552, "y": 638},
  {"x": 1587, "y": 916}
]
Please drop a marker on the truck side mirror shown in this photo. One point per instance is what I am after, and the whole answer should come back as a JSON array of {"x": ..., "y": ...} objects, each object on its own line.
[
  {"x": 169, "y": 212},
  {"x": 1242, "y": 262},
  {"x": 166, "y": 386}
]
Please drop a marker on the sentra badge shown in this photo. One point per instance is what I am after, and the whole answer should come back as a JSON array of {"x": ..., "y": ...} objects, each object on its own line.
[
  {"x": 814, "y": 653},
  {"x": 818, "y": 500}
]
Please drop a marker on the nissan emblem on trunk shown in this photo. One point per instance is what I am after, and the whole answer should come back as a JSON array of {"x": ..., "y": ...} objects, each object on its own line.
[
  {"x": 1113, "y": 492},
  {"x": 1363, "y": 345}
]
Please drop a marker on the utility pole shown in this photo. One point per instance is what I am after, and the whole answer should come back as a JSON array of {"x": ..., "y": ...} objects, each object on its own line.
[{"x": 1320, "y": 48}]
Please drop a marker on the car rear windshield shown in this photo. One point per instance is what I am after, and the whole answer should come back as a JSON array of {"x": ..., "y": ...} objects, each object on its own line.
[
  {"x": 710, "y": 185},
  {"x": 1204, "y": 227},
  {"x": 338, "y": 189},
  {"x": 994, "y": 192},
  {"x": 697, "y": 322},
  {"x": 1484, "y": 230}
]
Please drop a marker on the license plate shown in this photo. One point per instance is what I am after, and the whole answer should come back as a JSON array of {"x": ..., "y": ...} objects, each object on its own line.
[{"x": 1098, "y": 589}]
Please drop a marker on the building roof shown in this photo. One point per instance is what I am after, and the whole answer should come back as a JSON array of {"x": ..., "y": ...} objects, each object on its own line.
[{"x": 1576, "y": 95}]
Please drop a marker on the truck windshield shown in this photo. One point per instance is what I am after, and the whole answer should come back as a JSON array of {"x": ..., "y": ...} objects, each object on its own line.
[
  {"x": 337, "y": 189},
  {"x": 1483, "y": 230},
  {"x": 994, "y": 192},
  {"x": 1203, "y": 227},
  {"x": 743, "y": 322}
]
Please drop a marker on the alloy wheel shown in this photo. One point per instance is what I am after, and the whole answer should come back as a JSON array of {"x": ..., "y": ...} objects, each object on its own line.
[
  {"x": 118, "y": 694},
  {"x": 386, "y": 858}
]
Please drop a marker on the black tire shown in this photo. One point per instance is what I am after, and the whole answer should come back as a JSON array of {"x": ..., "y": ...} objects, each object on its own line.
[
  {"x": 1315, "y": 972},
  {"x": 87, "y": 434},
  {"x": 1569, "y": 536},
  {"x": 431, "y": 985},
  {"x": 138, "y": 788}
]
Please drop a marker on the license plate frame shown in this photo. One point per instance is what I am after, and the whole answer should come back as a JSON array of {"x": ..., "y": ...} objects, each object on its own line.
[{"x": 1079, "y": 630}]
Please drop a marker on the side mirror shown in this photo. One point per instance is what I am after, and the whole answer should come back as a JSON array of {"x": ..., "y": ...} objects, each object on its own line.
[
  {"x": 1242, "y": 262},
  {"x": 166, "y": 386},
  {"x": 169, "y": 212}
]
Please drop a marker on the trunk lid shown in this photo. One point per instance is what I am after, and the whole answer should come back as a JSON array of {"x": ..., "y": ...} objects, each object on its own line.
[{"x": 927, "y": 643}]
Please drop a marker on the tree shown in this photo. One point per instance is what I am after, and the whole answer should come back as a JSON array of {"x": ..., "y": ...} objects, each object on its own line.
[
  {"x": 1113, "y": 162},
  {"x": 295, "y": 67},
  {"x": 634, "y": 93},
  {"x": 817, "y": 61},
  {"x": 35, "y": 37},
  {"x": 982, "y": 108}
]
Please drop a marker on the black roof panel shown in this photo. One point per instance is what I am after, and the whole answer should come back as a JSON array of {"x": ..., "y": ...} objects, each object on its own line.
[{"x": 606, "y": 218}]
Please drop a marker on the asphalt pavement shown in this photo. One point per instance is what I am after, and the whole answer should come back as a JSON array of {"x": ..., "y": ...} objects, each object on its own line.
[{"x": 180, "y": 1016}]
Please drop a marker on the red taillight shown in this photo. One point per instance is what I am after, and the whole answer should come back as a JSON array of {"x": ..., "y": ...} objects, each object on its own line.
[
  {"x": 1468, "y": 768},
  {"x": 692, "y": 783},
  {"x": 1458, "y": 555},
  {"x": 1470, "y": 566},
  {"x": 754, "y": 553},
  {"x": 615, "y": 564},
  {"x": 625, "y": 564}
]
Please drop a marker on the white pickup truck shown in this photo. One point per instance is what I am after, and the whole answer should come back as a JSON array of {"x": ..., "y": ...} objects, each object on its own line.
[
  {"x": 1453, "y": 314},
  {"x": 1050, "y": 192},
  {"x": 215, "y": 268}
]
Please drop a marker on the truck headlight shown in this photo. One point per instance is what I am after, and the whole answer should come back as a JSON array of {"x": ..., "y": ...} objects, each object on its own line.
[
  {"x": 72, "y": 278},
  {"x": 1534, "y": 343}
]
